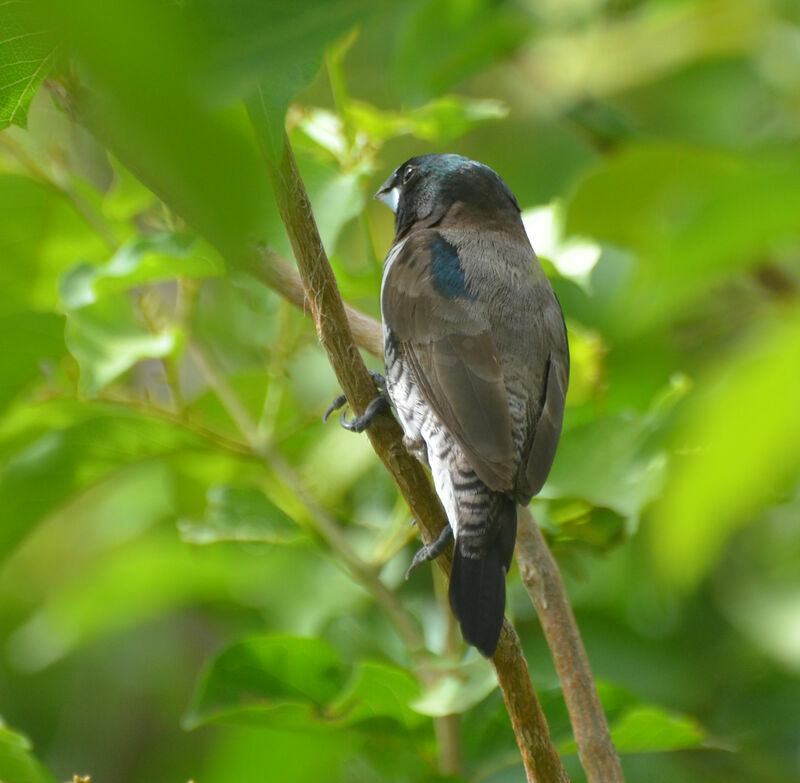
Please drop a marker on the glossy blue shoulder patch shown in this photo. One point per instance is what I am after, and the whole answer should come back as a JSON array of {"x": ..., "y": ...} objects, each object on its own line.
[{"x": 448, "y": 276}]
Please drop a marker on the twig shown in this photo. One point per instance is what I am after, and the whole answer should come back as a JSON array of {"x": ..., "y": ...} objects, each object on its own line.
[
  {"x": 542, "y": 579},
  {"x": 542, "y": 764},
  {"x": 274, "y": 271},
  {"x": 323, "y": 524}
]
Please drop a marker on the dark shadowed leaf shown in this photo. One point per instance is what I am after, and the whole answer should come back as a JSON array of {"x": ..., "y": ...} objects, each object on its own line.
[
  {"x": 610, "y": 463},
  {"x": 445, "y": 41},
  {"x": 280, "y": 681}
]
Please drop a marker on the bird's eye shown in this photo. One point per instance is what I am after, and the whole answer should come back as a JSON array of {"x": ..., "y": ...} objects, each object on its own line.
[{"x": 408, "y": 173}]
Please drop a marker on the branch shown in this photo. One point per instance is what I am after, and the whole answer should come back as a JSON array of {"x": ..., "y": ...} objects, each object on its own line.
[
  {"x": 541, "y": 577},
  {"x": 542, "y": 764},
  {"x": 273, "y": 270}
]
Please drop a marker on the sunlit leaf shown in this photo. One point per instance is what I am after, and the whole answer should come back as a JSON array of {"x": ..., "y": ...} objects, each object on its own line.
[
  {"x": 645, "y": 46},
  {"x": 107, "y": 340},
  {"x": 456, "y": 692},
  {"x": 236, "y": 513},
  {"x": 27, "y": 52},
  {"x": 40, "y": 234},
  {"x": 442, "y": 120},
  {"x": 651, "y": 729},
  {"x": 694, "y": 217},
  {"x": 17, "y": 763},
  {"x": 270, "y": 680},
  {"x": 645, "y": 728},
  {"x": 141, "y": 260},
  {"x": 739, "y": 449}
]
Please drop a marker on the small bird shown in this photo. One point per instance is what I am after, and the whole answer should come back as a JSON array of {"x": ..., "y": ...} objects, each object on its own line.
[{"x": 477, "y": 366}]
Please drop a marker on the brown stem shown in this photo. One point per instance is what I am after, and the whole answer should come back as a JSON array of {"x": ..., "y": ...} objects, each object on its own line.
[
  {"x": 542, "y": 578},
  {"x": 324, "y": 525},
  {"x": 273, "y": 270},
  {"x": 542, "y": 764}
]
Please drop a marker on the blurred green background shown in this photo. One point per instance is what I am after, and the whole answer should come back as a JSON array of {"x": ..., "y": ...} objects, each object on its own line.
[{"x": 171, "y": 607}]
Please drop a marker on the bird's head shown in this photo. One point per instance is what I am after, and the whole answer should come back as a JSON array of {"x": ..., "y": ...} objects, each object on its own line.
[{"x": 423, "y": 190}]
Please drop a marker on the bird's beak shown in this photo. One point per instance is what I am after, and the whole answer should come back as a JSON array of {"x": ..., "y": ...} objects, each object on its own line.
[{"x": 389, "y": 194}]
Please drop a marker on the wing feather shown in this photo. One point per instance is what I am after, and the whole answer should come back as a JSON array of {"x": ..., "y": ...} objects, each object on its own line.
[{"x": 447, "y": 342}]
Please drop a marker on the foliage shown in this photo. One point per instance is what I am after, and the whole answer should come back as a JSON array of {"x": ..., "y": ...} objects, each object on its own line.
[{"x": 184, "y": 543}]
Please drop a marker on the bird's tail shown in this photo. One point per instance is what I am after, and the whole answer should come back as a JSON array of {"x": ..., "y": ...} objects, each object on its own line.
[{"x": 481, "y": 559}]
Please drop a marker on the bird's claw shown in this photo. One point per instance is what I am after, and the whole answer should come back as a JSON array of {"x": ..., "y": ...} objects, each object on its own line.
[
  {"x": 340, "y": 401},
  {"x": 360, "y": 423},
  {"x": 431, "y": 551}
]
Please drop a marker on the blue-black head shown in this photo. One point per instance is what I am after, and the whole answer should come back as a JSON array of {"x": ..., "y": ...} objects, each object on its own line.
[{"x": 423, "y": 189}]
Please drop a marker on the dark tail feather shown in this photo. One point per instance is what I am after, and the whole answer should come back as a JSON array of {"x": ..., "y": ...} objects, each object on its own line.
[{"x": 478, "y": 579}]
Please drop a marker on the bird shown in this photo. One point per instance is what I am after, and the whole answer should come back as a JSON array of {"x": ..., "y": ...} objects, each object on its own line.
[{"x": 477, "y": 367}]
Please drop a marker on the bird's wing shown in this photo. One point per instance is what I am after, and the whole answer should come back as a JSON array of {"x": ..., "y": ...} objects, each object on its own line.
[
  {"x": 442, "y": 331},
  {"x": 548, "y": 426}
]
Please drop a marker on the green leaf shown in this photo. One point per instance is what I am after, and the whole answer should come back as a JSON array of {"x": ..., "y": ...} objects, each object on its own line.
[
  {"x": 140, "y": 260},
  {"x": 107, "y": 340},
  {"x": 148, "y": 103},
  {"x": 17, "y": 763},
  {"x": 28, "y": 341},
  {"x": 647, "y": 729},
  {"x": 269, "y": 51},
  {"x": 26, "y": 55},
  {"x": 458, "y": 691},
  {"x": 445, "y": 41},
  {"x": 378, "y": 690},
  {"x": 694, "y": 217},
  {"x": 442, "y": 120},
  {"x": 40, "y": 234},
  {"x": 48, "y": 461},
  {"x": 336, "y": 197},
  {"x": 738, "y": 450},
  {"x": 236, "y": 513},
  {"x": 611, "y": 463},
  {"x": 280, "y": 681},
  {"x": 152, "y": 576}
]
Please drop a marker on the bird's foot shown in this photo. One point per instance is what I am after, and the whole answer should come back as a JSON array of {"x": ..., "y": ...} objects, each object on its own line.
[
  {"x": 360, "y": 423},
  {"x": 431, "y": 551}
]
